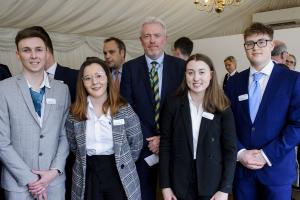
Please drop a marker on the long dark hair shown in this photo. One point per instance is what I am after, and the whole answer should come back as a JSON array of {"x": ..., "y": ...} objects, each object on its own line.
[
  {"x": 214, "y": 97},
  {"x": 113, "y": 102}
]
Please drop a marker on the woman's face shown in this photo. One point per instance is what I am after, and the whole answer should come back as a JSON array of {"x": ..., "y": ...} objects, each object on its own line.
[
  {"x": 95, "y": 81},
  {"x": 198, "y": 76}
]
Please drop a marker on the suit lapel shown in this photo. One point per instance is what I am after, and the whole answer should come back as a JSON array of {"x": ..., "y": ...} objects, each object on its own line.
[
  {"x": 244, "y": 87},
  {"x": 47, "y": 109},
  {"x": 27, "y": 97},
  {"x": 146, "y": 79},
  {"x": 166, "y": 77},
  {"x": 187, "y": 121},
  {"x": 205, "y": 123},
  {"x": 117, "y": 131}
]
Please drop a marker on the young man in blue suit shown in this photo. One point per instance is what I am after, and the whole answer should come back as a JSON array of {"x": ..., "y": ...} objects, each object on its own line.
[
  {"x": 265, "y": 100},
  {"x": 146, "y": 82}
]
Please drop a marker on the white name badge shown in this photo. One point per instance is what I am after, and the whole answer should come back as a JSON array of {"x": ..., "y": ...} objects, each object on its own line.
[
  {"x": 243, "y": 97},
  {"x": 208, "y": 115},
  {"x": 50, "y": 101},
  {"x": 118, "y": 122}
]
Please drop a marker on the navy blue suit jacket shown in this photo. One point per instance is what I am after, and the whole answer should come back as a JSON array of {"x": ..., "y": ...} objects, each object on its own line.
[
  {"x": 276, "y": 129},
  {"x": 69, "y": 77},
  {"x": 135, "y": 88},
  {"x": 4, "y": 72}
]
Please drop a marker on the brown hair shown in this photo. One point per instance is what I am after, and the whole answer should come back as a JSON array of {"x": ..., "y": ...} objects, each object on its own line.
[
  {"x": 29, "y": 33},
  {"x": 113, "y": 102},
  {"x": 258, "y": 28},
  {"x": 214, "y": 97},
  {"x": 230, "y": 58}
]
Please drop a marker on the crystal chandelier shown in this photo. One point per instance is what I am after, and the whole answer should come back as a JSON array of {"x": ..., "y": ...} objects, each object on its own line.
[{"x": 216, "y": 5}]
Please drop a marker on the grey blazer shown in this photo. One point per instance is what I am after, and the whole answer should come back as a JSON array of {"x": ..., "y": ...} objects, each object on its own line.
[
  {"x": 24, "y": 144},
  {"x": 128, "y": 142}
]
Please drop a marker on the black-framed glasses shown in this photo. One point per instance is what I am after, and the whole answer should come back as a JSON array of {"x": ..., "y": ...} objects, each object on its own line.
[{"x": 260, "y": 43}]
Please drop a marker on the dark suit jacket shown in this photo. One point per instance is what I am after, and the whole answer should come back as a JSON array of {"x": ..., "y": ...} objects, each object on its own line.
[
  {"x": 276, "y": 129},
  {"x": 135, "y": 88},
  {"x": 69, "y": 77},
  {"x": 4, "y": 72},
  {"x": 226, "y": 78},
  {"x": 216, "y": 150}
]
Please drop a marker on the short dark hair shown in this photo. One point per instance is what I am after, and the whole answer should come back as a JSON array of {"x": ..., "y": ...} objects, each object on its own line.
[
  {"x": 185, "y": 45},
  {"x": 29, "y": 33},
  {"x": 120, "y": 43},
  {"x": 259, "y": 28},
  {"x": 44, "y": 32}
]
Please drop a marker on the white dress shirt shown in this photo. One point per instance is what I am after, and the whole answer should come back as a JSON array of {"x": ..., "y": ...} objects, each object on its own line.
[
  {"x": 99, "y": 138},
  {"x": 51, "y": 70},
  {"x": 196, "y": 116}
]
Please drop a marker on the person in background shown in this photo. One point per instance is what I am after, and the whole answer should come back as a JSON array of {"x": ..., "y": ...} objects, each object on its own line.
[
  {"x": 114, "y": 51},
  {"x": 279, "y": 52},
  {"x": 183, "y": 48},
  {"x": 105, "y": 135},
  {"x": 4, "y": 72},
  {"x": 230, "y": 66},
  {"x": 146, "y": 82},
  {"x": 291, "y": 61},
  {"x": 198, "y": 141},
  {"x": 265, "y": 101},
  {"x": 33, "y": 110}
]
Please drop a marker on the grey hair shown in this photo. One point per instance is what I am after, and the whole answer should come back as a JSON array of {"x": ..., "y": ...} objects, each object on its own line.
[
  {"x": 154, "y": 20},
  {"x": 279, "y": 48}
]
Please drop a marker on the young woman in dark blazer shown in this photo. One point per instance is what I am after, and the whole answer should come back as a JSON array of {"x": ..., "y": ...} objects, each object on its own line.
[
  {"x": 105, "y": 135},
  {"x": 198, "y": 140}
]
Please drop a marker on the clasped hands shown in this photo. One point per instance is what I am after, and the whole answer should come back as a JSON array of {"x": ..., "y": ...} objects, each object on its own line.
[
  {"x": 252, "y": 159},
  {"x": 38, "y": 188}
]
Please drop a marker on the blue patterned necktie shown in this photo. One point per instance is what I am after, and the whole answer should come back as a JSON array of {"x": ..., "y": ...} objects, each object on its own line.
[
  {"x": 37, "y": 98},
  {"x": 155, "y": 89},
  {"x": 255, "y": 95}
]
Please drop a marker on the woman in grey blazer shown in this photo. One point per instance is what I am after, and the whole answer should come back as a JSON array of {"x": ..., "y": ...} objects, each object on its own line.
[{"x": 105, "y": 135}]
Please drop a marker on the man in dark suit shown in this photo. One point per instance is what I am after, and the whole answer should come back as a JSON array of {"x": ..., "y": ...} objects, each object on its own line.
[
  {"x": 265, "y": 100},
  {"x": 146, "y": 82},
  {"x": 4, "y": 72},
  {"x": 230, "y": 66}
]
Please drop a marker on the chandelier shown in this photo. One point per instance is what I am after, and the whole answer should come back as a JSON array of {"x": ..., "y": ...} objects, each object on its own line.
[{"x": 216, "y": 5}]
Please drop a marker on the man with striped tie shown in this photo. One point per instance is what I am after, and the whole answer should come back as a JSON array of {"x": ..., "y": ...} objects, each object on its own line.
[{"x": 146, "y": 82}]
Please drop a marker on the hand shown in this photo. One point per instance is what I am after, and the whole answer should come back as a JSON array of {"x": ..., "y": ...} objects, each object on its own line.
[
  {"x": 42, "y": 196},
  {"x": 168, "y": 194},
  {"x": 220, "y": 196},
  {"x": 252, "y": 159},
  {"x": 154, "y": 144},
  {"x": 46, "y": 177}
]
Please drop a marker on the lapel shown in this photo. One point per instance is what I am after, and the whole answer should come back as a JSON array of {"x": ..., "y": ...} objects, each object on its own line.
[
  {"x": 205, "y": 123},
  {"x": 146, "y": 78},
  {"x": 166, "y": 77},
  {"x": 80, "y": 136},
  {"x": 23, "y": 86},
  {"x": 271, "y": 89},
  {"x": 243, "y": 83},
  {"x": 117, "y": 131},
  {"x": 48, "y": 94},
  {"x": 187, "y": 121}
]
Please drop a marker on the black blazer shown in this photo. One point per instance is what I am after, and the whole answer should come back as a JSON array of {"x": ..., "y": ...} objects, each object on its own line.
[
  {"x": 69, "y": 77},
  {"x": 4, "y": 72},
  {"x": 216, "y": 150}
]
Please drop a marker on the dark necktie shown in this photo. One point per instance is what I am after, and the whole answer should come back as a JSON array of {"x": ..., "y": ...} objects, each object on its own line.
[
  {"x": 37, "y": 98},
  {"x": 155, "y": 89},
  {"x": 117, "y": 79}
]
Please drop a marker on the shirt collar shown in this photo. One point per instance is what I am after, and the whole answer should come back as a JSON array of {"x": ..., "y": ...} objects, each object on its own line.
[
  {"x": 266, "y": 70},
  {"x": 44, "y": 83},
  {"x": 52, "y": 69},
  {"x": 91, "y": 108},
  {"x": 159, "y": 60},
  {"x": 232, "y": 73}
]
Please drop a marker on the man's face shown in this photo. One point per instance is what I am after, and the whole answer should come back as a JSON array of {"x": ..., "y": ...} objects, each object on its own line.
[
  {"x": 290, "y": 62},
  {"x": 259, "y": 56},
  {"x": 114, "y": 57},
  {"x": 153, "y": 40},
  {"x": 32, "y": 53},
  {"x": 230, "y": 66},
  {"x": 177, "y": 53}
]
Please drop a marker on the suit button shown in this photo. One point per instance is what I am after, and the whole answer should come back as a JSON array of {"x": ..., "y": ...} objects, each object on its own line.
[
  {"x": 122, "y": 166},
  {"x": 40, "y": 154},
  {"x": 253, "y": 129},
  {"x": 41, "y": 136},
  {"x": 212, "y": 139}
]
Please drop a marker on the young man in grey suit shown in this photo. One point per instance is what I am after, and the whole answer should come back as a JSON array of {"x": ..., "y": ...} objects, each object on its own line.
[{"x": 33, "y": 110}]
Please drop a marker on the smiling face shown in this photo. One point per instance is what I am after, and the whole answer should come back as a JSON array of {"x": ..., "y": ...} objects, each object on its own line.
[
  {"x": 153, "y": 39},
  {"x": 32, "y": 52},
  {"x": 198, "y": 76},
  {"x": 259, "y": 56},
  {"x": 95, "y": 81}
]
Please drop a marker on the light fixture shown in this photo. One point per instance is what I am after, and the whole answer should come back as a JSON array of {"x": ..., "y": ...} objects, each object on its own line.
[{"x": 216, "y": 5}]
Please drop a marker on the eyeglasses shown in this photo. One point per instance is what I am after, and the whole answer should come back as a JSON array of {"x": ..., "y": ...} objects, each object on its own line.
[
  {"x": 98, "y": 77},
  {"x": 260, "y": 43}
]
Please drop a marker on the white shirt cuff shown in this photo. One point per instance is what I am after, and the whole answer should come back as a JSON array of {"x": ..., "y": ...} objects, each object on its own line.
[
  {"x": 266, "y": 158},
  {"x": 239, "y": 154}
]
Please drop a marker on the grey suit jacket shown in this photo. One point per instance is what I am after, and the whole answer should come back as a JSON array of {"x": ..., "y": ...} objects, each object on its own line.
[
  {"x": 128, "y": 142},
  {"x": 24, "y": 145}
]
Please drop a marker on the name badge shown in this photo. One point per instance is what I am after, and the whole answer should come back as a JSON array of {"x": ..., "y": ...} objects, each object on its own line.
[
  {"x": 243, "y": 97},
  {"x": 50, "y": 101},
  {"x": 118, "y": 122},
  {"x": 208, "y": 115}
]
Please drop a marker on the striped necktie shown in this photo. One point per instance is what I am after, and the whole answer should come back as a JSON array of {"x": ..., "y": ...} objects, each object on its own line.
[{"x": 155, "y": 89}]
